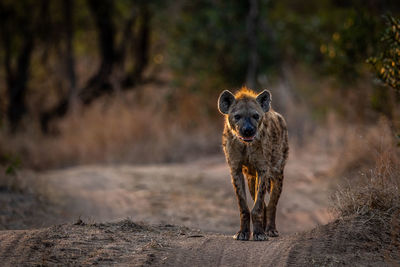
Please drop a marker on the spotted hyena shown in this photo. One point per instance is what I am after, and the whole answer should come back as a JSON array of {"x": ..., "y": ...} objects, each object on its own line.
[{"x": 255, "y": 143}]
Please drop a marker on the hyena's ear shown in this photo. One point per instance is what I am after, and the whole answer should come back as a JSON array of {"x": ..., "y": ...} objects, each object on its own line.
[
  {"x": 264, "y": 99},
  {"x": 225, "y": 101}
]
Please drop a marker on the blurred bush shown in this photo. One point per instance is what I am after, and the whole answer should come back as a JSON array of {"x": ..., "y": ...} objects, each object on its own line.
[{"x": 387, "y": 63}]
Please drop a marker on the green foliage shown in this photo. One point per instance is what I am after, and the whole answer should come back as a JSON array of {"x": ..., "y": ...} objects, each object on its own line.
[
  {"x": 12, "y": 163},
  {"x": 387, "y": 63},
  {"x": 208, "y": 41},
  {"x": 331, "y": 39}
]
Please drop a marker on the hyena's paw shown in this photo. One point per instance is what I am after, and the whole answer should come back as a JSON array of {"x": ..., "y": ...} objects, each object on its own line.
[
  {"x": 244, "y": 236},
  {"x": 272, "y": 232},
  {"x": 260, "y": 236}
]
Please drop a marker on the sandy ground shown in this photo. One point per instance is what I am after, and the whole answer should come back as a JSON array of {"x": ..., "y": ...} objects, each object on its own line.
[
  {"x": 197, "y": 195},
  {"x": 172, "y": 215},
  {"x": 125, "y": 243}
]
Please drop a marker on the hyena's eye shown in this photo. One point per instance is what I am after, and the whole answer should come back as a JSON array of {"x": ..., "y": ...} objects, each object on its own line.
[
  {"x": 237, "y": 117},
  {"x": 256, "y": 117}
]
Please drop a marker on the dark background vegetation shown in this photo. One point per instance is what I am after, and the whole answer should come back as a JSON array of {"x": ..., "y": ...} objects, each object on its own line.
[{"x": 85, "y": 81}]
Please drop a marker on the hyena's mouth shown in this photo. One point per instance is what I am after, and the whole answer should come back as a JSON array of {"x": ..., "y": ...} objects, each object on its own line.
[{"x": 247, "y": 139}]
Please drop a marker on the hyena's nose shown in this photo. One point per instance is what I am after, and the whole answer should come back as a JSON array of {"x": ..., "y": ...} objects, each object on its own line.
[{"x": 249, "y": 131}]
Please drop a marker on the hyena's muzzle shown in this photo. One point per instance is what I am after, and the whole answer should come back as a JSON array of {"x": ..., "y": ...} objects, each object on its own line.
[{"x": 248, "y": 130}]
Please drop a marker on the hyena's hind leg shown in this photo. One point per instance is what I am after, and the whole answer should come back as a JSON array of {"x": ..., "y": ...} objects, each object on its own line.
[
  {"x": 275, "y": 192},
  {"x": 251, "y": 176}
]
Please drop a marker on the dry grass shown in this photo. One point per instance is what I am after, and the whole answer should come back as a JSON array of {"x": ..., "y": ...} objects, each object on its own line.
[
  {"x": 148, "y": 125},
  {"x": 377, "y": 190},
  {"x": 371, "y": 165},
  {"x": 363, "y": 146},
  {"x": 370, "y": 195}
]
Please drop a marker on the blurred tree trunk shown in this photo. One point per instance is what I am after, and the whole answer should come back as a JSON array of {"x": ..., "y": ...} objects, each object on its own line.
[
  {"x": 142, "y": 44},
  {"x": 113, "y": 57},
  {"x": 251, "y": 31},
  {"x": 141, "y": 47},
  {"x": 70, "y": 60},
  {"x": 111, "y": 74},
  {"x": 100, "y": 84},
  {"x": 65, "y": 103},
  {"x": 128, "y": 36},
  {"x": 16, "y": 77},
  {"x": 17, "y": 80}
]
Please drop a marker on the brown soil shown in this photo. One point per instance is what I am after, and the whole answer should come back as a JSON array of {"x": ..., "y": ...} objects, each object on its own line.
[
  {"x": 197, "y": 196},
  {"x": 342, "y": 243}
]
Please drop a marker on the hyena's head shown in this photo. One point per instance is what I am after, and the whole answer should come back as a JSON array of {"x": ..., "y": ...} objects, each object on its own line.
[{"x": 244, "y": 111}]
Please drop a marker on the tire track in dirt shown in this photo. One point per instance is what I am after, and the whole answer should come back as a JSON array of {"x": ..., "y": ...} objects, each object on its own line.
[
  {"x": 348, "y": 242},
  {"x": 8, "y": 244},
  {"x": 217, "y": 250}
]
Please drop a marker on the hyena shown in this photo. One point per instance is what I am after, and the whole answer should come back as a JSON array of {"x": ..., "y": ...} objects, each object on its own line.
[{"x": 255, "y": 142}]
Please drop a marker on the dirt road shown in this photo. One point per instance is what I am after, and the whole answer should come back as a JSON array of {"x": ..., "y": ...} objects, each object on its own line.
[
  {"x": 196, "y": 196},
  {"x": 126, "y": 243}
]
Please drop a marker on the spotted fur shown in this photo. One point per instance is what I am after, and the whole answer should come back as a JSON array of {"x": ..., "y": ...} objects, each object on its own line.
[{"x": 260, "y": 158}]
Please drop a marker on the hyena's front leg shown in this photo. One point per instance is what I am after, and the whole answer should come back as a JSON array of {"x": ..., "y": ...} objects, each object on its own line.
[
  {"x": 276, "y": 189},
  {"x": 238, "y": 184},
  {"x": 258, "y": 211},
  {"x": 252, "y": 182}
]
